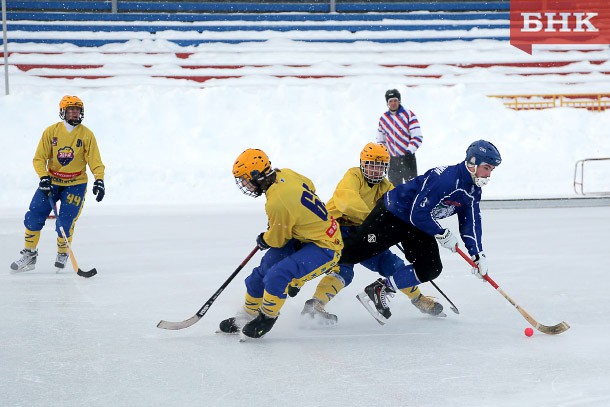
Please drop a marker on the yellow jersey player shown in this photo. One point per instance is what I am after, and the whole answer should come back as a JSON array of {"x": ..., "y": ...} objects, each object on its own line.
[
  {"x": 354, "y": 198},
  {"x": 60, "y": 161},
  {"x": 304, "y": 241}
]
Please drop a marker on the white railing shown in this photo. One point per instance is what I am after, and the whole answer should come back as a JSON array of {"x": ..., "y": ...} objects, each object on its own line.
[{"x": 579, "y": 177}]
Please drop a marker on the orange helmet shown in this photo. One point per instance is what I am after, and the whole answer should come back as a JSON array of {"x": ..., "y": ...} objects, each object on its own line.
[
  {"x": 250, "y": 170},
  {"x": 71, "y": 101},
  {"x": 374, "y": 162}
]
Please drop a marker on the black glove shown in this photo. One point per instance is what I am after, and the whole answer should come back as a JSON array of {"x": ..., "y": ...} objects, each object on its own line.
[
  {"x": 98, "y": 189},
  {"x": 293, "y": 291},
  {"x": 45, "y": 184},
  {"x": 260, "y": 242}
]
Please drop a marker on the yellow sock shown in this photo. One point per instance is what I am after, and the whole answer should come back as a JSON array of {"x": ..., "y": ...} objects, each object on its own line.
[
  {"x": 272, "y": 304},
  {"x": 31, "y": 239},
  {"x": 328, "y": 287},
  {"x": 411, "y": 292},
  {"x": 251, "y": 304},
  {"x": 62, "y": 247}
]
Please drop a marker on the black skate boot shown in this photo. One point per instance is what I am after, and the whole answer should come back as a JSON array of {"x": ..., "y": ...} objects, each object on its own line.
[
  {"x": 375, "y": 299},
  {"x": 234, "y": 324},
  {"x": 314, "y": 310},
  {"x": 259, "y": 326}
]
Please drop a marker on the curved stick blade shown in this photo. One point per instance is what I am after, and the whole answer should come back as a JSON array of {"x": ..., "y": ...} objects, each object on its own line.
[
  {"x": 174, "y": 326},
  {"x": 553, "y": 330},
  {"x": 87, "y": 274}
]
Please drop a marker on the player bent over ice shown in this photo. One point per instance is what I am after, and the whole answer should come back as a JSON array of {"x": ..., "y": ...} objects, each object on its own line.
[
  {"x": 409, "y": 214},
  {"x": 353, "y": 199},
  {"x": 304, "y": 241}
]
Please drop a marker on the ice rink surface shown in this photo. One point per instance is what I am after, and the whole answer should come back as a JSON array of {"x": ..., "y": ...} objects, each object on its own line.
[{"x": 70, "y": 341}]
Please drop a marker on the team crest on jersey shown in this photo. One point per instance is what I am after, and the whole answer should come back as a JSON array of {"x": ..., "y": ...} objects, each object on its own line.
[
  {"x": 65, "y": 155},
  {"x": 79, "y": 143},
  {"x": 54, "y": 141},
  {"x": 371, "y": 238},
  {"x": 443, "y": 210}
]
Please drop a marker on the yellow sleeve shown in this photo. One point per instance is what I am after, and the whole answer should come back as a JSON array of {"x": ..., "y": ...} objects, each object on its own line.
[
  {"x": 348, "y": 201},
  {"x": 94, "y": 158},
  {"x": 44, "y": 152}
]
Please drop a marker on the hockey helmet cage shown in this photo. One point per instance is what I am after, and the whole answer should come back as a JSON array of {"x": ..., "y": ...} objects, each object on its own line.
[
  {"x": 374, "y": 162},
  {"x": 250, "y": 169},
  {"x": 71, "y": 101}
]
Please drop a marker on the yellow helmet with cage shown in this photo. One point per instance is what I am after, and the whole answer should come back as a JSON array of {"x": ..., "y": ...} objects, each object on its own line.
[
  {"x": 251, "y": 169},
  {"x": 71, "y": 101},
  {"x": 374, "y": 162}
]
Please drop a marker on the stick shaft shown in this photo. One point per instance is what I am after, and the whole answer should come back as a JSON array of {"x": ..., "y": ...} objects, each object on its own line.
[{"x": 551, "y": 330}]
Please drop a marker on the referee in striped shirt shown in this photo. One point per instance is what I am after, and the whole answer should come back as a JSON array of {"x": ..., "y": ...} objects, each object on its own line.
[{"x": 399, "y": 131}]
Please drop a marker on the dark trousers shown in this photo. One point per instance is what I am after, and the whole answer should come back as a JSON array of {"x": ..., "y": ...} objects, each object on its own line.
[
  {"x": 382, "y": 230},
  {"x": 402, "y": 168}
]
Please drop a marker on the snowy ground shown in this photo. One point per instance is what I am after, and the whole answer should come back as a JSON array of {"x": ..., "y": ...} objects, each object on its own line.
[{"x": 70, "y": 341}]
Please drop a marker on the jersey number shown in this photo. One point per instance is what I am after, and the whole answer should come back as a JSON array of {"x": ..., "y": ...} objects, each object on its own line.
[{"x": 313, "y": 203}]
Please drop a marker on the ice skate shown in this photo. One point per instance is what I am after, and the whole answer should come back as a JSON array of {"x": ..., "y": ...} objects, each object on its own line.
[
  {"x": 258, "y": 327},
  {"x": 27, "y": 261},
  {"x": 375, "y": 299},
  {"x": 234, "y": 324},
  {"x": 314, "y": 312},
  {"x": 427, "y": 305},
  {"x": 61, "y": 260}
]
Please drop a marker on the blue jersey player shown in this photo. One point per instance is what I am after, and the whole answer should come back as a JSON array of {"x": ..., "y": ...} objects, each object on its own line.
[{"x": 409, "y": 214}]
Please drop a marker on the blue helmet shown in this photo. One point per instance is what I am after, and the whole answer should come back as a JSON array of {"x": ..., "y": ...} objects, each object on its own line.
[{"x": 482, "y": 151}]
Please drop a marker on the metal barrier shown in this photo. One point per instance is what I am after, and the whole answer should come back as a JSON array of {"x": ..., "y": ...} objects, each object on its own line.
[
  {"x": 579, "y": 177},
  {"x": 594, "y": 102}
]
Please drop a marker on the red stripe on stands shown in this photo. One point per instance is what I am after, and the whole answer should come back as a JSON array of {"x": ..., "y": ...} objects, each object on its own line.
[
  {"x": 547, "y": 64},
  {"x": 27, "y": 67}
]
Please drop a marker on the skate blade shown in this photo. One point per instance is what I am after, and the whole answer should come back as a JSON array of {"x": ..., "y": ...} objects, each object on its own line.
[
  {"x": 23, "y": 270},
  {"x": 218, "y": 331},
  {"x": 316, "y": 322},
  {"x": 439, "y": 315},
  {"x": 366, "y": 303}
]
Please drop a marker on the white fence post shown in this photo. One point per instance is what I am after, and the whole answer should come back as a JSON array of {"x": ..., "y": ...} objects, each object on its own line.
[
  {"x": 5, "y": 47},
  {"x": 115, "y": 6},
  {"x": 333, "y": 6}
]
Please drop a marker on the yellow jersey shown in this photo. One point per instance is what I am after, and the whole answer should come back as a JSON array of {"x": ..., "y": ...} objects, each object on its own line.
[
  {"x": 354, "y": 198},
  {"x": 295, "y": 212},
  {"x": 64, "y": 155}
]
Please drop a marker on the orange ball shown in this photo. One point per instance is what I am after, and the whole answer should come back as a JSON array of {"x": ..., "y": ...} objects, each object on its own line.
[{"x": 529, "y": 331}]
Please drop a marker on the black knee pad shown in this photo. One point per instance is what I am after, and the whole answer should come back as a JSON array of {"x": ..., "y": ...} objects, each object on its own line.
[{"x": 425, "y": 274}]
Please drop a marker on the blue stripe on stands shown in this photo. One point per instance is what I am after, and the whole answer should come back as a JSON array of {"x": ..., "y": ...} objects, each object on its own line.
[
  {"x": 142, "y": 6},
  {"x": 225, "y": 28},
  {"x": 393, "y": 7},
  {"x": 139, "y": 7},
  {"x": 59, "y": 5},
  {"x": 152, "y": 17},
  {"x": 186, "y": 43}
]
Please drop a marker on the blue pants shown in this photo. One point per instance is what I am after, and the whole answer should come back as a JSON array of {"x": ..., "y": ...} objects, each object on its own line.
[
  {"x": 72, "y": 199},
  {"x": 385, "y": 263},
  {"x": 295, "y": 262}
]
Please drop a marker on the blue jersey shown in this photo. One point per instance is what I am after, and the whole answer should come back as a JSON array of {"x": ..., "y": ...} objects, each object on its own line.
[{"x": 438, "y": 194}]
